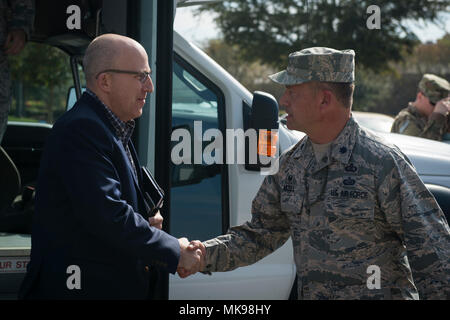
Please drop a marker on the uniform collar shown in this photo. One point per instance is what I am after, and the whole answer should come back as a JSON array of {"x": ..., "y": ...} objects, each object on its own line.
[
  {"x": 340, "y": 149},
  {"x": 414, "y": 111}
]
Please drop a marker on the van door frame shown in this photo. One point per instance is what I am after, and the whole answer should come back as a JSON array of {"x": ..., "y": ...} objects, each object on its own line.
[{"x": 154, "y": 130}]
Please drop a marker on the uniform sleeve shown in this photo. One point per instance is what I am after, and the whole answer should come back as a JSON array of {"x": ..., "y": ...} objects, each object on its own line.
[
  {"x": 246, "y": 244},
  {"x": 419, "y": 222},
  {"x": 22, "y": 16},
  {"x": 405, "y": 125},
  {"x": 434, "y": 128},
  {"x": 400, "y": 123}
]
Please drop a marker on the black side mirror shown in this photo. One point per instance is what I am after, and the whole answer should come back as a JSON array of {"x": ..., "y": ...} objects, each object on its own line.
[{"x": 263, "y": 118}]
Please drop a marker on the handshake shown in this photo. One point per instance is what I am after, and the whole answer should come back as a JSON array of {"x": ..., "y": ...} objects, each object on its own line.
[
  {"x": 192, "y": 254},
  {"x": 192, "y": 257}
]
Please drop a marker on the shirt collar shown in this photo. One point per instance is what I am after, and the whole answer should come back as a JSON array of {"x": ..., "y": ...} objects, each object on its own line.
[
  {"x": 340, "y": 149},
  {"x": 124, "y": 130}
]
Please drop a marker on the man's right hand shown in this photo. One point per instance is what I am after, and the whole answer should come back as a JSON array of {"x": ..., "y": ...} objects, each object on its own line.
[
  {"x": 190, "y": 259},
  {"x": 443, "y": 106},
  {"x": 195, "y": 244}
]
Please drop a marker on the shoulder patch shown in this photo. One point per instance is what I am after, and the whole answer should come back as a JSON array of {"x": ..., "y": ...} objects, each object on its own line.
[{"x": 403, "y": 126}]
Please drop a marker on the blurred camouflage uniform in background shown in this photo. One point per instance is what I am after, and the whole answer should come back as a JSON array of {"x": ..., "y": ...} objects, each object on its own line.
[
  {"x": 411, "y": 121},
  {"x": 14, "y": 14},
  {"x": 362, "y": 204}
]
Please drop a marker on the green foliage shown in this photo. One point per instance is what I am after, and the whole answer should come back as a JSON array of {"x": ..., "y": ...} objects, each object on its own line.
[
  {"x": 13, "y": 118},
  {"x": 41, "y": 65},
  {"x": 268, "y": 30},
  {"x": 254, "y": 75},
  {"x": 428, "y": 58},
  {"x": 371, "y": 90},
  {"x": 45, "y": 74},
  {"x": 382, "y": 92}
]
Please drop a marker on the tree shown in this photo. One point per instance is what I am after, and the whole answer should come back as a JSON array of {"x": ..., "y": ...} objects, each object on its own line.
[
  {"x": 382, "y": 92},
  {"x": 44, "y": 67},
  {"x": 254, "y": 75},
  {"x": 269, "y": 29},
  {"x": 390, "y": 92},
  {"x": 429, "y": 58}
]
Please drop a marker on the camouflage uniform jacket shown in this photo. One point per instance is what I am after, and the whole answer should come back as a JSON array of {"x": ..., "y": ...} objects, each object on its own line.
[
  {"x": 411, "y": 122},
  {"x": 362, "y": 205},
  {"x": 15, "y": 14}
]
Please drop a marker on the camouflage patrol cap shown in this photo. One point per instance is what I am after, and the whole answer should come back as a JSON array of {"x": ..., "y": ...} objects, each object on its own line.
[
  {"x": 434, "y": 88},
  {"x": 318, "y": 64}
]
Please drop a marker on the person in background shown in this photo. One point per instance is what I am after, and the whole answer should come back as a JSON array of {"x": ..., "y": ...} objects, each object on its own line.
[{"x": 428, "y": 116}]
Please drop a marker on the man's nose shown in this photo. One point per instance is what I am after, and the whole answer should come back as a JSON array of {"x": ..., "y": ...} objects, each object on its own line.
[
  {"x": 283, "y": 101},
  {"x": 148, "y": 85}
]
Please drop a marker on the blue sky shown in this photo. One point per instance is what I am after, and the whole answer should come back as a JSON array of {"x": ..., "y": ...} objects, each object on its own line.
[{"x": 199, "y": 30}]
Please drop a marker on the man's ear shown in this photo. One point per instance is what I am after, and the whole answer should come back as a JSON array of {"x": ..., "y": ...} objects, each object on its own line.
[
  {"x": 325, "y": 99},
  {"x": 420, "y": 96},
  {"x": 104, "y": 82}
]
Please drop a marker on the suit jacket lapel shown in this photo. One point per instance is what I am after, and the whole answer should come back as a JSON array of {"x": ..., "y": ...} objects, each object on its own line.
[
  {"x": 136, "y": 162},
  {"x": 130, "y": 166},
  {"x": 138, "y": 182}
]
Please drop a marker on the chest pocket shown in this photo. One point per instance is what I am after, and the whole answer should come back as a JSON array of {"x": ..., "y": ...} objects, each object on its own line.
[
  {"x": 351, "y": 198},
  {"x": 292, "y": 202},
  {"x": 350, "y": 218},
  {"x": 292, "y": 195}
]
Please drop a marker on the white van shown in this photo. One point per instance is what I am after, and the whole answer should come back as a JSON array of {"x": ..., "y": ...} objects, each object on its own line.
[{"x": 211, "y": 198}]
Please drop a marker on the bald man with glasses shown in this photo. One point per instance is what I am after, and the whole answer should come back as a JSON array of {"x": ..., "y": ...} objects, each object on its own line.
[{"x": 92, "y": 238}]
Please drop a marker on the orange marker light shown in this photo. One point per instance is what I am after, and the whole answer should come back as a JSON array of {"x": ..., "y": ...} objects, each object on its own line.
[{"x": 267, "y": 143}]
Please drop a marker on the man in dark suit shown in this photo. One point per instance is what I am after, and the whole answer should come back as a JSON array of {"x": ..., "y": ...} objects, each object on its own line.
[{"x": 90, "y": 239}]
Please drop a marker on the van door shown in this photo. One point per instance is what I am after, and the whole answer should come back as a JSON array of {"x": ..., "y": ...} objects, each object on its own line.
[{"x": 199, "y": 196}]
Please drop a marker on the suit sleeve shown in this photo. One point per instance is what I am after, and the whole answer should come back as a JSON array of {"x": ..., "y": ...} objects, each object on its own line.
[
  {"x": 86, "y": 170},
  {"x": 417, "y": 219},
  {"x": 246, "y": 244}
]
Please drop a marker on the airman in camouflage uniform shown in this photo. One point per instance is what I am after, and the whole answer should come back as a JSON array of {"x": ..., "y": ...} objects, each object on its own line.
[
  {"x": 360, "y": 204},
  {"x": 16, "y": 21},
  {"x": 428, "y": 116}
]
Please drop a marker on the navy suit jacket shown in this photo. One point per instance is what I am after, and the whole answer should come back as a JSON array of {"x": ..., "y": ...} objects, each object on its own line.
[{"x": 89, "y": 213}]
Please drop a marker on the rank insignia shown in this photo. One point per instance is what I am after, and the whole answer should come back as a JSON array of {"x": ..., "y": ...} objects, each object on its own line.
[{"x": 349, "y": 181}]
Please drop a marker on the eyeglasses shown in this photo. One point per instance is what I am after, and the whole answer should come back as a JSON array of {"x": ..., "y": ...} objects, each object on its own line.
[{"x": 141, "y": 76}]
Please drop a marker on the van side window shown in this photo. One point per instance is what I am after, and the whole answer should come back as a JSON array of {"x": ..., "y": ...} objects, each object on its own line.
[
  {"x": 41, "y": 77},
  {"x": 199, "y": 190}
]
